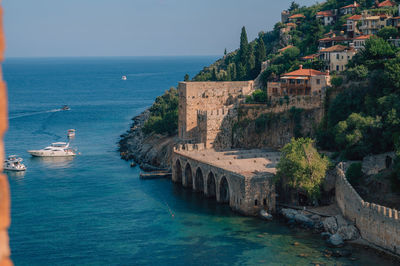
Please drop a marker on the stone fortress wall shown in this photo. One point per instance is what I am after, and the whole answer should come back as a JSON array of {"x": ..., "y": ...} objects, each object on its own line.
[
  {"x": 215, "y": 127},
  {"x": 378, "y": 225},
  {"x": 203, "y": 105},
  {"x": 222, "y": 176}
]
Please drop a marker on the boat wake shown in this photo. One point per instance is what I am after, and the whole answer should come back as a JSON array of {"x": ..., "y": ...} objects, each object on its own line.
[{"x": 35, "y": 113}]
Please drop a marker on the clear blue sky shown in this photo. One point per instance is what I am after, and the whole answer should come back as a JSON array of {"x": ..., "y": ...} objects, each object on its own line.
[{"x": 43, "y": 28}]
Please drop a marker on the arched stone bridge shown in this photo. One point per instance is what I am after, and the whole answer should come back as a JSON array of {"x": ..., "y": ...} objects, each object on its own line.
[{"x": 243, "y": 179}]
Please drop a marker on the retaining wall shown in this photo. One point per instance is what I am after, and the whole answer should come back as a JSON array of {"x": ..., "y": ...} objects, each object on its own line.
[{"x": 378, "y": 225}]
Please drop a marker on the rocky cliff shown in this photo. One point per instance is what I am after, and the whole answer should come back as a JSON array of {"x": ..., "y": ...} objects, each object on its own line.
[
  {"x": 151, "y": 152},
  {"x": 260, "y": 128}
]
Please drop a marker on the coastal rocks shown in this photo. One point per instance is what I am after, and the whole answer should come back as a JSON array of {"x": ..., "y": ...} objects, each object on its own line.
[
  {"x": 296, "y": 217},
  {"x": 151, "y": 152},
  {"x": 265, "y": 215},
  {"x": 288, "y": 213},
  {"x": 330, "y": 225},
  {"x": 335, "y": 240},
  {"x": 335, "y": 230},
  {"x": 349, "y": 232},
  {"x": 303, "y": 220}
]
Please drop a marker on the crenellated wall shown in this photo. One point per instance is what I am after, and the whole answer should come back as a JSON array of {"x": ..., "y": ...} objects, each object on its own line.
[
  {"x": 378, "y": 225},
  {"x": 215, "y": 127}
]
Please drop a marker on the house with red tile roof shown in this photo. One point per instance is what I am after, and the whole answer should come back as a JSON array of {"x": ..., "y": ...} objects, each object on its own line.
[
  {"x": 296, "y": 18},
  {"x": 387, "y": 3},
  {"x": 300, "y": 82},
  {"x": 351, "y": 25},
  {"x": 327, "y": 17},
  {"x": 371, "y": 24},
  {"x": 359, "y": 42},
  {"x": 331, "y": 41},
  {"x": 349, "y": 9},
  {"x": 337, "y": 57}
]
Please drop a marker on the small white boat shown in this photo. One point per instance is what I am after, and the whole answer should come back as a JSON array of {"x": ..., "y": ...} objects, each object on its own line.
[
  {"x": 71, "y": 133},
  {"x": 124, "y": 78},
  {"x": 65, "y": 108},
  {"x": 13, "y": 163},
  {"x": 57, "y": 149}
]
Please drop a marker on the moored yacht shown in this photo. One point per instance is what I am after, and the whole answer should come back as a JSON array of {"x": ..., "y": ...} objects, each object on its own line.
[
  {"x": 57, "y": 149},
  {"x": 13, "y": 163}
]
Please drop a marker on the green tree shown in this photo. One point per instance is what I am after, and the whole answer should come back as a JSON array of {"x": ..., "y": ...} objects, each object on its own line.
[
  {"x": 243, "y": 53},
  {"x": 225, "y": 52},
  {"x": 214, "y": 75},
  {"x": 186, "y": 78},
  {"x": 302, "y": 167},
  {"x": 260, "y": 55},
  {"x": 293, "y": 6},
  {"x": 388, "y": 32},
  {"x": 356, "y": 135},
  {"x": 357, "y": 73}
]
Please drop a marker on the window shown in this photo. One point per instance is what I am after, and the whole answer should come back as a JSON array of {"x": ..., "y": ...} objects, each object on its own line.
[
  {"x": 337, "y": 68},
  {"x": 318, "y": 81},
  {"x": 337, "y": 56},
  {"x": 255, "y": 202}
]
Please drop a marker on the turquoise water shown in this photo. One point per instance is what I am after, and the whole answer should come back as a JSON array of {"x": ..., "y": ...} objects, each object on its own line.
[{"x": 93, "y": 209}]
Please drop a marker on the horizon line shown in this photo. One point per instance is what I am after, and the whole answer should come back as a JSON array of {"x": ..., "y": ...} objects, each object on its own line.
[{"x": 104, "y": 56}]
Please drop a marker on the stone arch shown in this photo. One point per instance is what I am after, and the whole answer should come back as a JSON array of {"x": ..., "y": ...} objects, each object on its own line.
[
  {"x": 199, "y": 180},
  {"x": 211, "y": 188},
  {"x": 188, "y": 176},
  {"x": 178, "y": 172},
  {"x": 224, "y": 190}
]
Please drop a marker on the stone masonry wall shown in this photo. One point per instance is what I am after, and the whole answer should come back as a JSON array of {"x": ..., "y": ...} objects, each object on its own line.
[
  {"x": 206, "y": 96},
  {"x": 4, "y": 189},
  {"x": 247, "y": 195},
  {"x": 276, "y": 128},
  {"x": 378, "y": 225},
  {"x": 215, "y": 127}
]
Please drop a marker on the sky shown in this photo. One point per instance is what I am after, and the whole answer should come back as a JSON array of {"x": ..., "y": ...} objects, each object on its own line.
[{"x": 70, "y": 28}]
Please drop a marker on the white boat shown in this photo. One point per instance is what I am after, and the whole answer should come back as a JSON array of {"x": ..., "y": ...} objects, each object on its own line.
[
  {"x": 124, "y": 78},
  {"x": 71, "y": 133},
  {"x": 13, "y": 163},
  {"x": 57, "y": 149}
]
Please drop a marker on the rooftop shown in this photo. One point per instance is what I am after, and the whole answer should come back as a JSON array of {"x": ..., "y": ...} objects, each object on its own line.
[
  {"x": 387, "y": 3},
  {"x": 285, "y": 48},
  {"x": 355, "y": 4},
  {"x": 336, "y": 48},
  {"x": 363, "y": 37},
  {"x": 336, "y": 38},
  {"x": 305, "y": 72},
  {"x": 245, "y": 162},
  {"x": 327, "y": 13},
  {"x": 355, "y": 17},
  {"x": 297, "y": 16}
]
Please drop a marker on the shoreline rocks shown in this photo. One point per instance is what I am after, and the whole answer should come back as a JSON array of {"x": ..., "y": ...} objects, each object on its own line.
[
  {"x": 151, "y": 152},
  {"x": 335, "y": 230}
]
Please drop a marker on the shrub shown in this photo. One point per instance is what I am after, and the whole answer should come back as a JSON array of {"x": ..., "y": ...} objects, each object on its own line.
[
  {"x": 302, "y": 167},
  {"x": 354, "y": 173}
]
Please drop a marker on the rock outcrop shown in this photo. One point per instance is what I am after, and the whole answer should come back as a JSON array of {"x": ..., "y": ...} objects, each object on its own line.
[{"x": 151, "y": 152}]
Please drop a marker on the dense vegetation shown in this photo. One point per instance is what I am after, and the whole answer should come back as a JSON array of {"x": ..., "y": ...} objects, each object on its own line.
[
  {"x": 163, "y": 114},
  {"x": 364, "y": 117},
  {"x": 301, "y": 167}
]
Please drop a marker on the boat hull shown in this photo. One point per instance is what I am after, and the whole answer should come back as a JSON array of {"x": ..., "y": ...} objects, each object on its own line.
[
  {"x": 51, "y": 154},
  {"x": 14, "y": 169}
]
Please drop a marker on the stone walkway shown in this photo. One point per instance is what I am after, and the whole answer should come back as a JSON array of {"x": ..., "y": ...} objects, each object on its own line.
[{"x": 244, "y": 162}]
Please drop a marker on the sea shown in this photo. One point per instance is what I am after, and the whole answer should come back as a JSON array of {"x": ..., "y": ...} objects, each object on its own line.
[{"x": 93, "y": 209}]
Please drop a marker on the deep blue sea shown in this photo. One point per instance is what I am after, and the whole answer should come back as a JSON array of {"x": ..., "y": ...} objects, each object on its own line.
[{"x": 94, "y": 209}]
